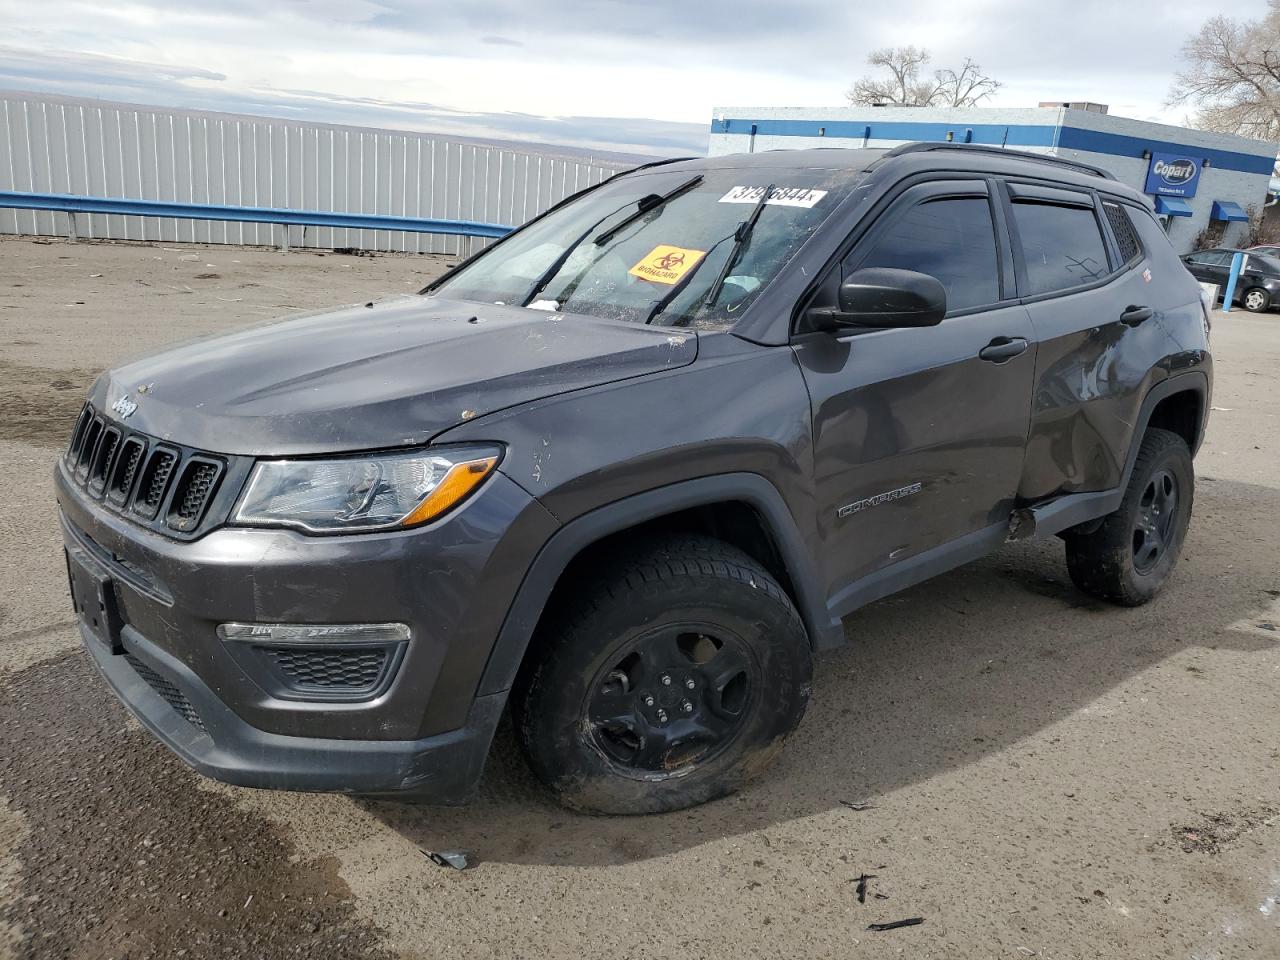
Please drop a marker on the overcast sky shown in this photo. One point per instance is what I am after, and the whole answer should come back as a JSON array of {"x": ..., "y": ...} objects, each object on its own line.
[{"x": 607, "y": 74}]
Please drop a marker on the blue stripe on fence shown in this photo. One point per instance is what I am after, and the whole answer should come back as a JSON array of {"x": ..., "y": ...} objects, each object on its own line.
[{"x": 70, "y": 203}]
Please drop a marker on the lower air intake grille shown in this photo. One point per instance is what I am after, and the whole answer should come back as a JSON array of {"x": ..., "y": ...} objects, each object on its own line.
[
  {"x": 347, "y": 670},
  {"x": 167, "y": 690}
]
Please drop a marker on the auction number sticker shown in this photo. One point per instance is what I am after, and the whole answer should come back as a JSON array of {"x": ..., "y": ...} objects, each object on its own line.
[
  {"x": 666, "y": 264},
  {"x": 781, "y": 196}
]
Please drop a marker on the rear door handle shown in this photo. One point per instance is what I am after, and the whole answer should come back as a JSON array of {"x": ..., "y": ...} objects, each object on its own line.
[
  {"x": 1133, "y": 316},
  {"x": 1002, "y": 349}
]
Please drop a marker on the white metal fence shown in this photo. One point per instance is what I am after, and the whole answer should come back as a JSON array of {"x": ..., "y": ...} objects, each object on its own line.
[{"x": 87, "y": 147}]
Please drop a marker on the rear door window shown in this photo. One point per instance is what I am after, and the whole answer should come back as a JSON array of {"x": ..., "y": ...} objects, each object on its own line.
[
  {"x": 951, "y": 239},
  {"x": 1062, "y": 246}
]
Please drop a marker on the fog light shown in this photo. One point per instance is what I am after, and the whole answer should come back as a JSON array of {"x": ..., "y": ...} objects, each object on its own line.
[
  {"x": 315, "y": 633},
  {"x": 318, "y": 661}
]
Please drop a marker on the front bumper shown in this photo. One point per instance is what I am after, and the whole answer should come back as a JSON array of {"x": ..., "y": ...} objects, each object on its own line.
[
  {"x": 443, "y": 768},
  {"x": 427, "y": 732}
]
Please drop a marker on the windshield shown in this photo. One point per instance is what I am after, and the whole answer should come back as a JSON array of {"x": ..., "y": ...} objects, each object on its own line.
[{"x": 666, "y": 237}]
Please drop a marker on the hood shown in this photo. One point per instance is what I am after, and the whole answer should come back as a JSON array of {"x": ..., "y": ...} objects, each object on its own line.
[{"x": 391, "y": 374}]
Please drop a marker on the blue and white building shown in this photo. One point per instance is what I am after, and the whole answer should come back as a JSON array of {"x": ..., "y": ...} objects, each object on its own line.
[{"x": 1204, "y": 185}]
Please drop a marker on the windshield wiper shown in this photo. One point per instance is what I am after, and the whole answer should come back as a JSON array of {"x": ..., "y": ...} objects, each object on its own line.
[
  {"x": 548, "y": 274},
  {"x": 683, "y": 282},
  {"x": 647, "y": 203},
  {"x": 652, "y": 202},
  {"x": 740, "y": 238}
]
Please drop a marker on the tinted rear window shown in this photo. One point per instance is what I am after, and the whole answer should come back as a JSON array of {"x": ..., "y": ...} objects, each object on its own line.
[{"x": 1061, "y": 246}]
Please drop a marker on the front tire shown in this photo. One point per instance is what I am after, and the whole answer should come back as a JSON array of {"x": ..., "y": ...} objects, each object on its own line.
[
  {"x": 1129, "y": 556},
  {"x": 1256, "y": 300},
  {"x": 670, "y": 679}
]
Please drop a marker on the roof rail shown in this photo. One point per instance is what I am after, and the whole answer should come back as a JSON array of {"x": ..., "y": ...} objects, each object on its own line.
[{"x": 1000, "y": 152}]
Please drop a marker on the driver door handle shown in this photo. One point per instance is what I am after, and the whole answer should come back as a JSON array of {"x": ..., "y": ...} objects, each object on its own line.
[
  {"x": 1003, "y": 349},
  {"x": 1133, "y": 316}
]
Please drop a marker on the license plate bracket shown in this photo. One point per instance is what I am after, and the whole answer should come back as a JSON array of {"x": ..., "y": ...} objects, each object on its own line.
[{"x": 94, "y": 596}]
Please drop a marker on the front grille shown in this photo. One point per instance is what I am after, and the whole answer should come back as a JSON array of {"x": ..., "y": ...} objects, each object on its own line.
[
  {"x": 126, "y": 470},
  {"x": 88, "y": 445},
  {"x": 347, "y": 670},
  {"x": 78, "y": 435},
  {"x": 162, "y": 485},
  {"x": 155, "y": 482},
  {"x": 168, "y": 691},
  {"x": 195, "y": 488},
  {"x": 103, "y": 458}
]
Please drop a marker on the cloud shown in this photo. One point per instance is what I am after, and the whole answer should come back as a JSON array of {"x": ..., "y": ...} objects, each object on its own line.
[
  {"x": 595, "y": 73},
  {"x": 171, "y": 85},
  {"x": 74, "y": 67}
]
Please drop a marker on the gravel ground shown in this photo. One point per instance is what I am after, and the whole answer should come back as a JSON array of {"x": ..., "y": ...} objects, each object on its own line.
[{"x": 1043, "y": 775}]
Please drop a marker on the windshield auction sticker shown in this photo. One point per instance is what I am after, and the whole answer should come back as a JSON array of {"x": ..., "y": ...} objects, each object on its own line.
[
  {"x": 666, "y": 264},
  {"x": 781, "y": 196}
]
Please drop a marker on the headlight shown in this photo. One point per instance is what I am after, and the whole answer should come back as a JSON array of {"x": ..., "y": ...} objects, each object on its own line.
[{"x": 363, "y": 493}]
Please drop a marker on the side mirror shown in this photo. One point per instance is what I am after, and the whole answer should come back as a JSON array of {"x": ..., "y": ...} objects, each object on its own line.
[{"x": 885, "y": 297}]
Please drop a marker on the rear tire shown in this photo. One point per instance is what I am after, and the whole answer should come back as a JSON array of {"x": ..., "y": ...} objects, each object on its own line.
[
  {"x": 669, "y": 679},
  {"x": 1256, "y": 300},
  {"x": 1128, "y": 557}
]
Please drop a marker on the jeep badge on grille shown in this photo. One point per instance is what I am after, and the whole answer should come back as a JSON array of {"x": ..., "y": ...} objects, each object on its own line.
[{"x": 124, "y": 406}]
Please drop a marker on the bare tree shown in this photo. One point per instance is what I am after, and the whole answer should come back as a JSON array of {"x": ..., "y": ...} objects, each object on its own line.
[
  {"x": 1232, "y": 77},
  {"x": 902, "y": 83},
  {"x": 965, "y": 88}
]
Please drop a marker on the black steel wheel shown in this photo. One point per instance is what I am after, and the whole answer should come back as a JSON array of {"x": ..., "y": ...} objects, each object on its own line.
[
  {"x": 1153, "y": 524},
  {"x": 675, "y": 697},
  {"x": 663, "y": 677},
  {"x": 1129, "y": 556}
]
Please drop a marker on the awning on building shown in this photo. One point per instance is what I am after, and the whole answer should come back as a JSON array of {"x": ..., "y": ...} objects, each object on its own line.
[
  {"x": 1173, "y": 207},
  {"x": 1226, "y": 210}
]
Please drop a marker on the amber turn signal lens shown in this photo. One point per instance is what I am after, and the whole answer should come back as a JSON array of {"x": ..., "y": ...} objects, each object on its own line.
[{"x": 457, "y": 484}]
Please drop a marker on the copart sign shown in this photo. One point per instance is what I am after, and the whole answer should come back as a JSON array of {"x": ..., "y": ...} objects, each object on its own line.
[{"x": 1173, "y": 175}]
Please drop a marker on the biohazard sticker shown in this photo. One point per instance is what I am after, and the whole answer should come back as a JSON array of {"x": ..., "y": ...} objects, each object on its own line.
[
  {"x": 781, "y": 196},
  {"x": 666, "y": 264}
]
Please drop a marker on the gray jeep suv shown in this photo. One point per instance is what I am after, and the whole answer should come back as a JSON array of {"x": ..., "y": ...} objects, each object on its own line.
[{"x": 626, "y": 469}]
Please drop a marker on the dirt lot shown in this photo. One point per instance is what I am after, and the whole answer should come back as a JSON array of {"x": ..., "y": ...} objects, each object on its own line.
[{"x": 1046, "y": 776}]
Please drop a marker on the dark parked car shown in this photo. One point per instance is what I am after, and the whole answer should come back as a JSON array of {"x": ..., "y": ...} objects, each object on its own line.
[
  {"x": 627, "y": 469},
  {"x": 1257, "y": 287}
]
